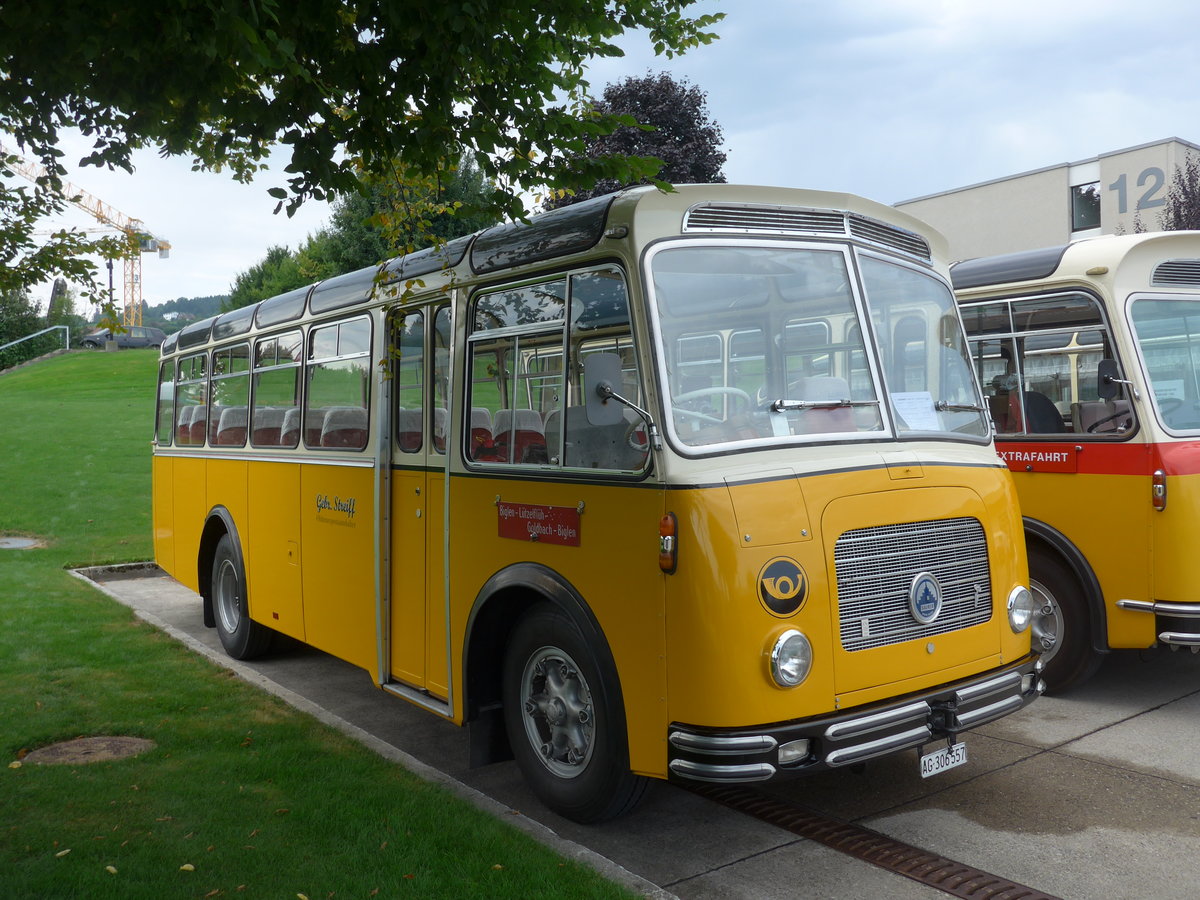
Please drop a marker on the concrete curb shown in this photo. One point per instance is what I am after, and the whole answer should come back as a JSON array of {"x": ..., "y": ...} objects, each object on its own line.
[{"x": 536, "y": 830}]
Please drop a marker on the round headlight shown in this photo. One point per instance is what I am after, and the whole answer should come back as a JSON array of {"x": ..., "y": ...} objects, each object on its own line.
[
  {"x": 791, "y": 659},
  {"x": 1021, "y": 607}
]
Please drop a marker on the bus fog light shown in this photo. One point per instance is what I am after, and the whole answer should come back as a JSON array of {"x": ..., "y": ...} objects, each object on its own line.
[
  {"x": 791, "y": 659},
  {"x": 793, "y": 752},
  {"x": 1021, "y": 607}
]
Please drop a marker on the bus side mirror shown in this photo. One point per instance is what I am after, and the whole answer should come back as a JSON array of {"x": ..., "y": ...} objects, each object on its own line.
[
  {"x": 601, "y": 378},
  {"x": 1108, "y": 384}
]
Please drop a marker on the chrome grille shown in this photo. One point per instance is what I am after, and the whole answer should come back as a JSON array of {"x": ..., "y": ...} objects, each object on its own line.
[
  {"x": 875, "y": 568},
  {"x": 746, "y": 218},
  {"x": 1176, "y": 271}
]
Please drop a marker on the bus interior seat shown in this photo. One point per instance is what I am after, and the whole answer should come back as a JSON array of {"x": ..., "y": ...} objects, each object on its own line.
[
  {"x": 1041, "y": 415},
  {"x": 314, "y": 426},
  {"x": 523, "y": 429},
  {"x": 481, "y": 431},
  {"x": 198, "y": 425},
  {"x": 1105, "y": 416},
  {"x": 441, "y": 418},
  {"x": 408, "y": 430},
  {"x": 183, "y": 425},
  {"x": 267, "y": 427},
  {"x": 214, "y": 421},
  {"x": 824, "y": 421},
  {"x": 231, "y": 431},
  {"x": 289, "y": 430},
  {"x": 346, "y": 426}
]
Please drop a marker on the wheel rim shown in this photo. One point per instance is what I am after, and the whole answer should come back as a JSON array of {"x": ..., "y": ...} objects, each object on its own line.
[
  {"x": 556, "y": 707},
  {"x": 225, "y": 591},
  {"x": 1047, "y": 623}
]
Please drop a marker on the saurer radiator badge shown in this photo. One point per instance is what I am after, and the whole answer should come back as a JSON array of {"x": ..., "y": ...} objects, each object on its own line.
[
  {"x": 544, "y": 524},
  {"x": 782, "y": 587},
  {"x": 925, "y": 598}
]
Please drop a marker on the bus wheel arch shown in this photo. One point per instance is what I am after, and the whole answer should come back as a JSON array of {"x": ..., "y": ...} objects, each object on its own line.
[
  {"x": 1071, "y": 627},
  {"x": 221, "y": 572},
  {"x": 528, "y": 617}
]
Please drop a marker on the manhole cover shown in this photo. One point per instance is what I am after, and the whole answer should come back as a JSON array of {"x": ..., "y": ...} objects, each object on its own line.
[
  {"x": 20, "y": 543},
  {"x": 101, "y": 748}
]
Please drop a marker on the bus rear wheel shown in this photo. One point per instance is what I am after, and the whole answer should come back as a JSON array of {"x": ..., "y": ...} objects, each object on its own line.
[
  {"x": 241, "y": 637},
  {"x": 1061, "y": 628},
  {"x": 564, "y": 722}
]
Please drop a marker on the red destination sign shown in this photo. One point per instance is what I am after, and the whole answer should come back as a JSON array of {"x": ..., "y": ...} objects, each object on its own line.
[{"x": 544, "y": 524}]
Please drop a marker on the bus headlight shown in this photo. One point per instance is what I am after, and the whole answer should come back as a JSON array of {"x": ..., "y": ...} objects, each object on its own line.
[
  {"x": 791, "y": 659},
  {"x": 1021, "y": 607}
]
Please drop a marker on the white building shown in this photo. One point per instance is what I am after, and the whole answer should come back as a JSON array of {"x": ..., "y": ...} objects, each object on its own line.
[{"x": 1056, "y": 204}]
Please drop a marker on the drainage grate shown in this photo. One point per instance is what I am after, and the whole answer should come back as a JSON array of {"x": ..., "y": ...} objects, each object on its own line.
[{"x": 946, "y": 875}]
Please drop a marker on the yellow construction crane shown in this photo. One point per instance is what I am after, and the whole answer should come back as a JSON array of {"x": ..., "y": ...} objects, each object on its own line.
[{"x": 134, "y": 229}]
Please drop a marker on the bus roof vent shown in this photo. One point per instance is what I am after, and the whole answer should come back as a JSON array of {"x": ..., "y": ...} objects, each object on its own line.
[
  {"x": 1176, "y": 272},
  {"x": 747, "y": 218},
  {"x": 751, "y": 219},
  {"x": 890, "y": 236}
]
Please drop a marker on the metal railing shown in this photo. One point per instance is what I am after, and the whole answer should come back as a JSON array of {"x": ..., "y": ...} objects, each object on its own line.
[
  {"x": 16, "y": 358},
  {"x": 29, "y": 337}
]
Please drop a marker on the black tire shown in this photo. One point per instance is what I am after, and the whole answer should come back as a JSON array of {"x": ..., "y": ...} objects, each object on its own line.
[
  {"x": 241, "y": 637},
  {"x": 565, "y": 721},
  {"x": 1062, "y": 628},
  {"x": 90, "y": 345}
]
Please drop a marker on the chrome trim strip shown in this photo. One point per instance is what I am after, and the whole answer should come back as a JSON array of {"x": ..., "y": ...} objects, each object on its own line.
[
  {"x": 850, "y": 755},
  {"x": 224, "y": 455},
  {"x": 1181, "y": 610},
  {"x": 853, "y": 728},
  {"x": 975, "y": 717},
  {"x": 973, "y": 692},
  {"x": 727, "y": 746},
  {"x": 705, "y": 772},
  {"x": 420, "y": 698},
  {"x": 1180, "y": 639}
]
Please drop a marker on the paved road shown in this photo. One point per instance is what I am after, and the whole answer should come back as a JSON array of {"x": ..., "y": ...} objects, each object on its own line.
[{"x": 1092, "y": 795}]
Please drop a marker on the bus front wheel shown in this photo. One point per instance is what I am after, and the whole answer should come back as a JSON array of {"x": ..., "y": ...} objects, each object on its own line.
[
  {"x": 241, "y": 637},
  {"x": 1061, "y": 626},
  {"x": 564, "y": 724}
]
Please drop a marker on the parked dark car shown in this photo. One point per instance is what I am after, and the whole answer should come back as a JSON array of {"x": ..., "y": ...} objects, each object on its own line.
[{"x": 133, "y": 336}]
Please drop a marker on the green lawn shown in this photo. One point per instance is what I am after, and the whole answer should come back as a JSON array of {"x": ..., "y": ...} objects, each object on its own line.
[{"x": 242, "y": 796}]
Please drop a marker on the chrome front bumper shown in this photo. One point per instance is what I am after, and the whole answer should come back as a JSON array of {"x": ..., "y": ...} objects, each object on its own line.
[{"x": 844, "y": 739}]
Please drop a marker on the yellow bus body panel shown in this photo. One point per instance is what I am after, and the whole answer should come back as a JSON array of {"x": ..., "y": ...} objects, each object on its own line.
[
  {"x": 337, "y": 524},
  {"x": 272, "y": 548},
  {"x": 163, "y": 491},
  {"x": 614, "y": 569},
  {"x": 190, "y": 507},
  {"x": 741, "y": 533}
]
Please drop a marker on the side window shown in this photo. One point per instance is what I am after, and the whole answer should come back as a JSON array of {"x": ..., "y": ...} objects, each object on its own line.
[
  {"x": 229, "y": 407},
  {"x": 526, "y": 406},
  {"x": 338, "y": 385},
  {"x": 191, "y": 394},
  {"x": 275, "y": 418},
  {"x": 440, "y": 376},
  {"x": 164, "y": 420},
  {"x": 1043, "y": 378},
  {"x": 409, "y": 380}
]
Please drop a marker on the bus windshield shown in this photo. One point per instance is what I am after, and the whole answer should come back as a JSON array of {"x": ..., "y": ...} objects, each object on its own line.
[
  {"x": 1168, "y": 335},
  {"x": 765, "y": 344}
]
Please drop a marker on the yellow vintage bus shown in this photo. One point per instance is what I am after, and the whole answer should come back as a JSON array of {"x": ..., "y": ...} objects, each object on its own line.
[
  {"x": 1091, "y": 368},
  {"x": 692, "y": 485}
]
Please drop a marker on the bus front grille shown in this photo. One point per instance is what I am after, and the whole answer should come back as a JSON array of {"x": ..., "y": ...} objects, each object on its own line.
[{"x": 876, "y": 569}]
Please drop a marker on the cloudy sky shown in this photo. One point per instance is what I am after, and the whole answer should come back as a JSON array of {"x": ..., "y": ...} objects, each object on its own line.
[{"x": 891, "y": 99}]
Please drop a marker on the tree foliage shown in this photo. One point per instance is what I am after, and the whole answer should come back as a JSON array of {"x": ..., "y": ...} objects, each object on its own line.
[
  {"x": 673, "y": 126},
  {"x": 386, "y": 87},
  {"x": 1182, "y": 209}
]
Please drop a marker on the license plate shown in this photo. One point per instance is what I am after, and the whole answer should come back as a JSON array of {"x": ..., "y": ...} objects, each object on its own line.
[{"x": 942, "y": 759}]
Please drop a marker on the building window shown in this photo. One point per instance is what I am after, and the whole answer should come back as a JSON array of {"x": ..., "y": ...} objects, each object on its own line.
[{"x": 1085, "y": 206}]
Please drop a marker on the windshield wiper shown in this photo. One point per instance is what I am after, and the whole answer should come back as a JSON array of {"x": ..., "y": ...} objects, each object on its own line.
[
  {"x": 947, "y": 406},
  {"x": 781, "y": 405}
]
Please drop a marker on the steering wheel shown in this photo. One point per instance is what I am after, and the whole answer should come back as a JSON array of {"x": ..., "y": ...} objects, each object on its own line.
[
  {"x": 1095, "y": 426},
  {"x": 708, "y": 392}
]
